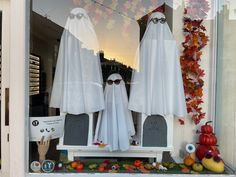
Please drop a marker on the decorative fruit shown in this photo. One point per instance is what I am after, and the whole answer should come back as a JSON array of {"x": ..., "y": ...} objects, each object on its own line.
[
  {"x": 197, "y": 167},
  {"x": 188, "y": 161},
  {"x": 93, "y": 166},
  {"x": 137, "y": 163},
  {"x": 101, "y": 168},
  {"x": 128, "y": 167},
  {"x": 203, "y": 149},
  {"x": 207, "y": 129},
  {"x": 74, "y": 165},
  {"x": 172, "y": 165},
  {"x": 142, "y": 169},
  {"x": 214, "y": 150},
  {"x": 185, "y": 170},
  {"x": 80, "y": 167},
  {"x": 213, "y": 163},
  {"x": 58, "y": 166},
  {"x": 149, "y": 166},
  {"x": 68, "y": 167},
  {"x": 208, "y": 139}
]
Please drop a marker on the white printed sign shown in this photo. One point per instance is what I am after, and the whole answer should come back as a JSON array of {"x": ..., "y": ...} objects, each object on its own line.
[{"x": 49, "y": 127}]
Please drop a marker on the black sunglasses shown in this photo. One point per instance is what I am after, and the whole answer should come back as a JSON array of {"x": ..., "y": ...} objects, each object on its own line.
[
  {"x": 156, "y": 20},
  {"x": 117, "y": 81},
  {"x": 79, "y": 15}
]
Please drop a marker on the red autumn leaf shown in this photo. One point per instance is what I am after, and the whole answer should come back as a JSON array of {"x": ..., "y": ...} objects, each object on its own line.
[
  {"x": 181, "y": 121},
  {"x": 189, "y": 109},
  {"x": 198, "y": 55},
  {"x": 203, "y": 28},
  {"x": 195, "y": 40}
]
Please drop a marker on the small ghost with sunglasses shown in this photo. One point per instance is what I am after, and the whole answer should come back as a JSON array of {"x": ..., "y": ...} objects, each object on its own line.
[{"x": 115, "y": 123}]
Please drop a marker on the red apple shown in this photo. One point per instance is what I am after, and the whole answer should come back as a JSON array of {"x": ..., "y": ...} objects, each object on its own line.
[
  {"x": 101, "y": 168},
  {"x": 137, "y": 163},
  {"x": 80, "y": 167}
]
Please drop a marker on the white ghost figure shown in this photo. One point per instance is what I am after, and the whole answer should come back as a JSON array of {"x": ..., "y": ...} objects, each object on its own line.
[
  {"x": 77, "y": 86},
  {"x": 115, "y": 124},
  {"x": 157, "y": 85}
]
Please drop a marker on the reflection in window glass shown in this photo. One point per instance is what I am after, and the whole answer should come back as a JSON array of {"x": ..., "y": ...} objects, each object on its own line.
[
  {"x": 110, "y": 81},
  {"x": 226, "y": 83}
]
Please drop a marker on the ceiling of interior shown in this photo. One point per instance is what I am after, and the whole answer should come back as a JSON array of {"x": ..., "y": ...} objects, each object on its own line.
[{"x": 44, "y": 28}]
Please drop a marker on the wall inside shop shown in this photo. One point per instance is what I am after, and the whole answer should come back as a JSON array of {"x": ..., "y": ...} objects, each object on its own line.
[
  {"x": 45, "y": 49},
  {"x": 186, "y": 133},
  {"x": 226, "y": 94}
]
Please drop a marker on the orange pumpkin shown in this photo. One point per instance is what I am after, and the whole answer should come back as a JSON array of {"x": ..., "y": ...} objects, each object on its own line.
[{"x": 188, "y": 161}]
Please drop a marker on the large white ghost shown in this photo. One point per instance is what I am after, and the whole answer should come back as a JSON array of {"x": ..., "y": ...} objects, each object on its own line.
[
  {"x": 115, "y": 124},
  {"x": 78, "y": 84},
  {"x": 157, "y": 85}
]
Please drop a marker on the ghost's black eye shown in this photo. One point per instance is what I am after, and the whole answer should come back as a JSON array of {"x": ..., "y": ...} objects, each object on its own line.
[
  {"x": 162, "y": 20},
  {"x": 155, "y": 20},
  {"x": 79, "y": 15}
]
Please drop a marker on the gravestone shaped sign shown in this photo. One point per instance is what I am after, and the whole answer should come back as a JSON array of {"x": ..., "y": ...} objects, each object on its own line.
[
  {"x": 155, "y": 131},
  {"x": 76, "y": 129}
]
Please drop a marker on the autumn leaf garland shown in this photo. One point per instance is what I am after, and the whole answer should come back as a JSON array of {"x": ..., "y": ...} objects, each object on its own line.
[{"x": 195, "y": 41}]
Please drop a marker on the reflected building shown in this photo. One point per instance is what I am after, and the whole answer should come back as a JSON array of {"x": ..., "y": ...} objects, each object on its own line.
[{"x": 113, "y": 66}]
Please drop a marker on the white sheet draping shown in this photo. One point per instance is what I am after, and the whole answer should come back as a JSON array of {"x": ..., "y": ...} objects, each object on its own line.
[
  {"x": 115, "y": 124},
  {"x": 77, "y": 86},
  {"x": 157, "y": 86}
]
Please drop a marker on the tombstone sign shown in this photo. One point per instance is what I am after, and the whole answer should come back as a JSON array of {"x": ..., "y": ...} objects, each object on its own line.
[
  {"x": 76, "y": 129},
  {"x": 155, "y": 131}
]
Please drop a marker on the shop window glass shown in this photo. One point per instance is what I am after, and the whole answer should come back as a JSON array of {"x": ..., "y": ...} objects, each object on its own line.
[
  {"x": 112, "y": 83},
  {"x": 226, "y": 82}
]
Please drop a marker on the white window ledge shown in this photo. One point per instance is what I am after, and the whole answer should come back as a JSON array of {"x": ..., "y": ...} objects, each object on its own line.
[{"x": 123, "y": 175}]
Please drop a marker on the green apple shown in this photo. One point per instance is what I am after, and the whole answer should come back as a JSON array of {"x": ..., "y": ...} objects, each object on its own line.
[{"x": 197, "y": 167}]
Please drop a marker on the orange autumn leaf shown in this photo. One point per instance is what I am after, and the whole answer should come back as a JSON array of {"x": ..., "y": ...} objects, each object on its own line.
[
  {"x": 189, "y": 26},
  {"x": 195, "y": 40},
  {"x": 198, "y": 92},
  {"x": 204, "y": 40}
]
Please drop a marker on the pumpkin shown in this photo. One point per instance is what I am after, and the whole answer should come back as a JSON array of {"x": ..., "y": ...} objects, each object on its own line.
[
  {"x": 208, "y": 139},
  {"x": 207, "y": 128}
]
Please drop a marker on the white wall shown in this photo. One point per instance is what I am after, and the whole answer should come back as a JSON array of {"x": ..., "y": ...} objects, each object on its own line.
[{"x": 184, "y": 134}]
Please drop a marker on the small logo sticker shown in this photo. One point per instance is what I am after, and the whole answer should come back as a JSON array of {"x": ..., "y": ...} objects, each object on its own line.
[
  {"x": 48, "y": 166},
  {"x": 35, "y": 166},
  {"x": 35, "y": 123}
]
